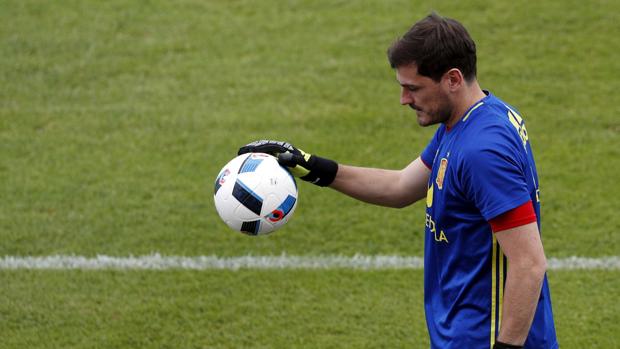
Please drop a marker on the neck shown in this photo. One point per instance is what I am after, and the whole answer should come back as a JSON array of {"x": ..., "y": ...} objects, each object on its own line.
[{"x": 470, "y": 95}]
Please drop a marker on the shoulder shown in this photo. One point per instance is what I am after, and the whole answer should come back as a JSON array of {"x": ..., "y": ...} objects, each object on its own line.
[
  {"x": 491, "y": 128},
  {"x": 491, "y": 140}
]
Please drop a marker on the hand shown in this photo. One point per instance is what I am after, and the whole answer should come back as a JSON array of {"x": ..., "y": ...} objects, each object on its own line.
[
  {"x": 308, "y": 167},
  {"x": 295, "y": 159}
]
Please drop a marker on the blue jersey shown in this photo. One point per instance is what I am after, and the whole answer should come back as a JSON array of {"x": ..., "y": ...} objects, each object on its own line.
[{"x": 482, "y": 167}]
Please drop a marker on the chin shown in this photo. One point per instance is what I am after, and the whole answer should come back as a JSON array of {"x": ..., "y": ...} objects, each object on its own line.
[{"x": 425, "y": 121}]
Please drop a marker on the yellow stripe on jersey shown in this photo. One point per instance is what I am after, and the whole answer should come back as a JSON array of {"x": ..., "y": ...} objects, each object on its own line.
[
  {"x": 493, "y": 288},
  {"x": 497, "y": 289},
  {"x": 471, "y": 110},
  {"x": 501, "y": 287}
]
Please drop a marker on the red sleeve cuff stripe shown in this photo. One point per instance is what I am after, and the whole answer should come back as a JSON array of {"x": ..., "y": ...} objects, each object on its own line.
[
  {"x": 516, "y": 217},
  {"x": 425, "y": 164}
]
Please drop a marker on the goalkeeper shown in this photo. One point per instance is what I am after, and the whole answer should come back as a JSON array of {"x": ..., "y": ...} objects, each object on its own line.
[{"x": 485, "y": 282}]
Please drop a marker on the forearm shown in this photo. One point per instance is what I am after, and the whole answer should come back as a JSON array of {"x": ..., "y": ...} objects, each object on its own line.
[
  {"x": 372, "y": 185},
  {"x": 522, "y": 291},
  {"x": 377, "y": 186}
]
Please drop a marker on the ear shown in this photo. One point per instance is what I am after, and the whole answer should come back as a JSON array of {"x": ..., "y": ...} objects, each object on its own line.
[{"x": 453, "y": 79}]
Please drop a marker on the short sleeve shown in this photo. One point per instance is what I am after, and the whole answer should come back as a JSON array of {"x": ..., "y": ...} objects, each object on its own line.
[
  {"x": 428, "y": 155},
  {"x": 493, "y": 173}
]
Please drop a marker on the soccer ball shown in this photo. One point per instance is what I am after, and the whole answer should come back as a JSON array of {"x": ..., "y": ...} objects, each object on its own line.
[{"x": 254, "y": 194}]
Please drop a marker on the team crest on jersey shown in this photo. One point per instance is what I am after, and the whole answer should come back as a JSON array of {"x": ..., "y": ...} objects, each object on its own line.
[{"x": 441, "y": 173}]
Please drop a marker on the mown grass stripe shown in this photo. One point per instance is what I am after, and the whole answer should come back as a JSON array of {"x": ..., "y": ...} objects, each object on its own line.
[{"x": 363, "y": 262}]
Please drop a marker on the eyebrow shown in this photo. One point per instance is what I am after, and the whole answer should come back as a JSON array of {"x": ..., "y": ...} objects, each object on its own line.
[
  {"x": 407, "y": 85},
  {"x": 411, "y": 87}
]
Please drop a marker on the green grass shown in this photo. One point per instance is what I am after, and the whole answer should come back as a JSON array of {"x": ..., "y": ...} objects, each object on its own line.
[
  {"x": 116, "y": 116},
  {"x": 213, "y": 310}
]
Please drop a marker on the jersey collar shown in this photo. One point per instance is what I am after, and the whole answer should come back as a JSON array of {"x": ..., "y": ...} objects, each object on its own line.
[{"x": 471, "y": 110}]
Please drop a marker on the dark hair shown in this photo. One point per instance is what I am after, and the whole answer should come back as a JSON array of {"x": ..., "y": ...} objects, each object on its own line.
[{"x": 435, "y": 44}]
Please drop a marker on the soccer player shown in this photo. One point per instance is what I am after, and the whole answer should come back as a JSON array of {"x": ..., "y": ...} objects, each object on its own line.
[{"x": 484, "y": 266}]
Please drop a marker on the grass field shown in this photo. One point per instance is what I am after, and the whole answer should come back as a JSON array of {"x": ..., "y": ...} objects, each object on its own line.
[{"x": 116, "y": 116}]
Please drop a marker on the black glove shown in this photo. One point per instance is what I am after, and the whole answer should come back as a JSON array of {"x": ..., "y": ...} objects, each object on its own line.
[
  {"x": 500, "y": 345},
  {"x": 308, "y": 167}
]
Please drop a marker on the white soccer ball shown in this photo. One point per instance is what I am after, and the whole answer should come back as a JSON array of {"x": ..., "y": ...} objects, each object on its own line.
[{"x": 254, "y": 194}]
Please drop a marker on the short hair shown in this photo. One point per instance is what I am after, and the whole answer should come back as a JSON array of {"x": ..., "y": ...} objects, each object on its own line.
[{"x": 435, "y": 44}]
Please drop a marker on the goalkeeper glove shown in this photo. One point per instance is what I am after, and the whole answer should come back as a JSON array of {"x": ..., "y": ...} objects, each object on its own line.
[{"x": 308, "y": 167}]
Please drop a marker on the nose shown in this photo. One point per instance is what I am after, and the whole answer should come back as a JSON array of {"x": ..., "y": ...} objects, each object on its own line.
[{"x": 405, "y": 97}]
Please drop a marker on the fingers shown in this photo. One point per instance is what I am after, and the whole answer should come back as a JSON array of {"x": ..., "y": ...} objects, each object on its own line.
[
  {"x": 272, "y": 149},
  {"x": 287, "y": 159},
  {"x": 267, "y": 146},
  {"x": 243, "y": 150}
]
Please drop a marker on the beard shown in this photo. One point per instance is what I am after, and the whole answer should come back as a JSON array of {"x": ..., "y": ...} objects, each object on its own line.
[{"x": 431, "y": 116}]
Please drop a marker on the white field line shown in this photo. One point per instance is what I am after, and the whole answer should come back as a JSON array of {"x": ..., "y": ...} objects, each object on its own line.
[{"x": 159, "y": 262}]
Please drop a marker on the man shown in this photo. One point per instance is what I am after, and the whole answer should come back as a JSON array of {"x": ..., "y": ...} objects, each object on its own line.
[{"x": 484, "y": 265}]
